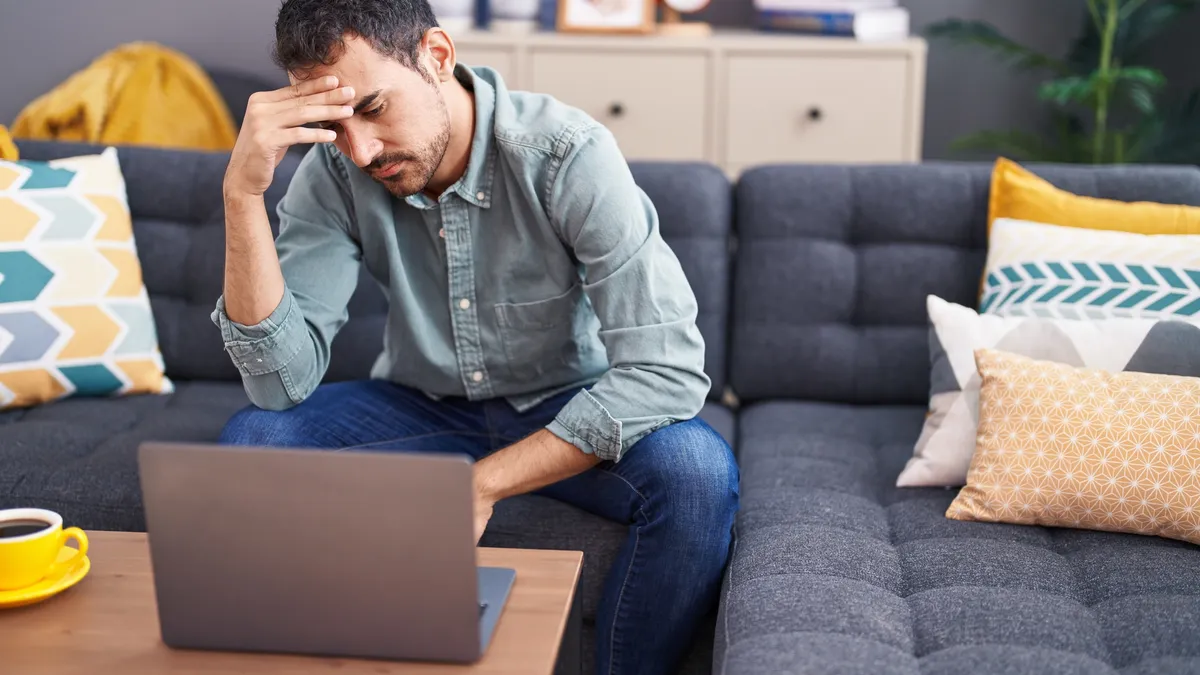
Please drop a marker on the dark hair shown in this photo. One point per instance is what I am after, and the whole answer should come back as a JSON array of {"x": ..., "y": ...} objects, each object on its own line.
[{"x": 311, "y": 32}]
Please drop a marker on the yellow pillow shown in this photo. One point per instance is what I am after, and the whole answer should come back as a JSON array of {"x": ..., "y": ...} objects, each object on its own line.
[
  {"x": 1019, "y": 194},
  {"x": 1063, "y": 446}
]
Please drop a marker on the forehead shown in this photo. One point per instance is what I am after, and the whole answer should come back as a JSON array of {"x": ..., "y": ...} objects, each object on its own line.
[{"x": 356, "y": 64}]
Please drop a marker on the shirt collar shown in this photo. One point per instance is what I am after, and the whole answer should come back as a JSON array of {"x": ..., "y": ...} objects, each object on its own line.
[{"x": 475, "y": 185}]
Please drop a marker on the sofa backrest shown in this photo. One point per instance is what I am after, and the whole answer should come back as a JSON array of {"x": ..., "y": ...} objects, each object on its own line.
[
  {"x": 175, "y": 200},
  {"x": 834, "y": 264},
  {"x": 178, "y": 219}
]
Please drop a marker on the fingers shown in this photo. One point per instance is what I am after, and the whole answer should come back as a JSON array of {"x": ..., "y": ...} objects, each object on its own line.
[
  {"x": 338, "y": 96},
  {"x": 300, "y": 89},
  {"x": 292, "y": 117},
  {"x": 283, "y": 117},
  {"x": 296, "y": 135}
]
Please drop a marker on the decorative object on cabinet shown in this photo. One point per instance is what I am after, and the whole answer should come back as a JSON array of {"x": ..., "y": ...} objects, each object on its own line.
[
  {"x": 866, "y": 20},
  {"x": 606, "y": 16},
  {"x": 548, "y": 14},
  {"x": 514, "y": 16},
  {"x": 671, "y": 21},
  {"x": 736, "y": 99},
  {"x": 455, "y": 15}
]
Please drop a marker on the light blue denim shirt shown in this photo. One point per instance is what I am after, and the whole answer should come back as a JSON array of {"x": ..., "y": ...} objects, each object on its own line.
[{"x": 541, "y": 270}]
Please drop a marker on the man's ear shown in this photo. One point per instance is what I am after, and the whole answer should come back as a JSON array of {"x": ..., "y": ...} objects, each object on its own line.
[{"x": 440, "y": 49}]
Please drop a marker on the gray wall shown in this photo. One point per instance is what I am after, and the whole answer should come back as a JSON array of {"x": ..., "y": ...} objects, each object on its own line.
[{"x": 43, "y": 41}]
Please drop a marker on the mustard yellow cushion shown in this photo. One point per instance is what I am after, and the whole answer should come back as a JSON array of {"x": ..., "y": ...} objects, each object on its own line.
[
  {"x": 75, "y": 317},
  {"x": 1019, "y": 194},
  {"x": 1063, "y": 446}
]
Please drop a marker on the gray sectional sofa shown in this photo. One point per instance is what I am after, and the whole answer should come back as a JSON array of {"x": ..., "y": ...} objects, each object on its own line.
[{"x": 811, "y": 282}]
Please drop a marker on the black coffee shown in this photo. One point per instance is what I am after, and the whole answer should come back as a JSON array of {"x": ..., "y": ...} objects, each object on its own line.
[{"x": 19, "y": 528}]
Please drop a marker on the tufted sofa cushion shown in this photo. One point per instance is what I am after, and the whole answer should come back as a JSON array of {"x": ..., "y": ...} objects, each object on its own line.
[
  {"x": 837, "y": 570},
  {"x": 834, "y": 264}
]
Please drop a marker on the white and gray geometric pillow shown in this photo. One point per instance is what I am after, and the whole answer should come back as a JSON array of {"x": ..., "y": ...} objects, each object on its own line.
[{"x": 943, "y": 452}]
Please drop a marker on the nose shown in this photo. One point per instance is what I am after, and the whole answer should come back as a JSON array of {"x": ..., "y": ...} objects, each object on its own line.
[{"x": 359, "y": 145}]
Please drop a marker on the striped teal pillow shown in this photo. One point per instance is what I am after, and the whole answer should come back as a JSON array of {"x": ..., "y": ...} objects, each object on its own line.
[{"x": 1052, "y": 271}]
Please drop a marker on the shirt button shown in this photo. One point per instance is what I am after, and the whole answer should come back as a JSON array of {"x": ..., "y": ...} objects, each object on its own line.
[
  {"x": 464, "y": 303},
  {"x": 442, "y": 232},
  {"x": 480, "y": 196},
  {"x": 477, "y": 376}
]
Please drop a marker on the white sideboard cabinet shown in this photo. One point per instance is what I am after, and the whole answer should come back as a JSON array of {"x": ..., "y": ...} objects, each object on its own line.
[{"x": 736, "y": 98}]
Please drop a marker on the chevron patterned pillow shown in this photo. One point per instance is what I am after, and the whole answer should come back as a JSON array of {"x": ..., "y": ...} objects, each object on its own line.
[
  {"x": 947, "y": 442},
  {"x": 1036, "y": 269},
  {"x": 75, "y": 318}
]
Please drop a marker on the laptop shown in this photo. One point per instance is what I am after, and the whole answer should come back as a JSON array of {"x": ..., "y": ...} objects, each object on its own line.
[{"x": 315, "y": 552}]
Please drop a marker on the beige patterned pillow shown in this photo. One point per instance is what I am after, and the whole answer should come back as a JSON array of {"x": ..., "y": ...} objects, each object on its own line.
[{"x": 1063, "y": 446}]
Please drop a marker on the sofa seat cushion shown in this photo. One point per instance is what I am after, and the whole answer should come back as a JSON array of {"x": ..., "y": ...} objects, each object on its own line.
[
  {"x": 79, "y": 456},
  {"x": 834, "y": 565}
]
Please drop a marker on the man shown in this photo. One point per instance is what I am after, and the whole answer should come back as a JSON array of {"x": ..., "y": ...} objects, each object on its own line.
[{"x": 536, "y": 319}]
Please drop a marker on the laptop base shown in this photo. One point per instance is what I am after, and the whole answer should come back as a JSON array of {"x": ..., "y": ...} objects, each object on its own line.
[{"x": 495, "y": 585}]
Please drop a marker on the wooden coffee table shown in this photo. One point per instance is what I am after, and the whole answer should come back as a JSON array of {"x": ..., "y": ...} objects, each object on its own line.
[{"x": 108, "y": 623}]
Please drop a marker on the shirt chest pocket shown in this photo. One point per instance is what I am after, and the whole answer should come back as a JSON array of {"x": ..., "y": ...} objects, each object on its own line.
[{"x": 546, "y": 337}]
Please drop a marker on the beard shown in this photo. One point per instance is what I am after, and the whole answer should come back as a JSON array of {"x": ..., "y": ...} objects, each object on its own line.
[{"x": 419, "y": 165}]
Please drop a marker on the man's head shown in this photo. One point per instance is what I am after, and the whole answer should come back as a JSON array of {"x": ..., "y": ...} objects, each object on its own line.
[{"x": 397, "y": 61}]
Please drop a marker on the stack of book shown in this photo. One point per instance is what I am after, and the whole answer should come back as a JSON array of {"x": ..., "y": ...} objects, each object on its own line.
[{"x": 867, "y": 20}]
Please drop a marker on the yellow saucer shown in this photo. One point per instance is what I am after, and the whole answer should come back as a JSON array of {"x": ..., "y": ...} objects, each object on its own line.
[{"x": 48, "y": 587}]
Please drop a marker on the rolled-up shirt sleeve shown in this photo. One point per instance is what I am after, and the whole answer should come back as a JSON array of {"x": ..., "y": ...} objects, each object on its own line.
[
  {"x": 284, "y": 357},
  {"x": 646, "y": 307}
]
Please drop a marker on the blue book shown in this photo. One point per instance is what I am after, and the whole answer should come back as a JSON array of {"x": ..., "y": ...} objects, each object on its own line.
[
  {"x": 865, "y": 24},
  {"x": 548, "y": 15}
]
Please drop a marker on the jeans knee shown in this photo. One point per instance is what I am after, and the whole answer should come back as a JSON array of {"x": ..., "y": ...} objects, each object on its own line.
[
  {"x": 696, "y": 475},
  {"x": 254, "y": 426}
]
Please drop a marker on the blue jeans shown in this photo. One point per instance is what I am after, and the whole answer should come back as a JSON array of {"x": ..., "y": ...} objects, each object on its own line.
[{"x": 676, "y": 489}]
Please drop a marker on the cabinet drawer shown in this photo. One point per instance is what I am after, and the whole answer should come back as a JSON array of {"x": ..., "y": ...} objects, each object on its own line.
[
  {"x": 815, "y": 109},
  {"x": 655, "y": 104},
  {"x": 504, "y": 61}
]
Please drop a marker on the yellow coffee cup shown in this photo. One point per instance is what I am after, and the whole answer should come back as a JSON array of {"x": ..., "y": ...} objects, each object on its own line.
[{"x": 30, "y": 541}]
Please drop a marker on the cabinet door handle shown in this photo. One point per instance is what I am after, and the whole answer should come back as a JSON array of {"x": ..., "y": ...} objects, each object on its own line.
[
  {"x": 616, "y": 109},
  {"x": 815, "y": 113}
]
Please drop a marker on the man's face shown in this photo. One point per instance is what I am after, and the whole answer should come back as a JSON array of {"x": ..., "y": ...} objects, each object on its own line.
[{"x": 401, "y": 126}]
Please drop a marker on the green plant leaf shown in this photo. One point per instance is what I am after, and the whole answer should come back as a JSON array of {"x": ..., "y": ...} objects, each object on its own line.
[
  {"x": 1128, "y": 7},
  {"x": 1067, "y": 90},
  {"x": 1148, "y": 77},
  {"x": 982, "y": 34},
  {"x": 1173, "y": 135},
  {"x": 1134, "y": 33},
  {"x": 1142, "y": 99},
  {"x": 1140, "y": 86},
  {"x": 1140, "y": 28}
]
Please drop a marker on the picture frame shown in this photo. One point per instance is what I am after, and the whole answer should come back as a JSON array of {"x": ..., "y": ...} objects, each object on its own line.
[{"x": 607, "y": 16}]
